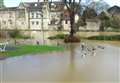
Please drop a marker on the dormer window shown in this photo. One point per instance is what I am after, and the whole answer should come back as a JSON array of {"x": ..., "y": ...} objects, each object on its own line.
[{"x": 36, "y": 5}]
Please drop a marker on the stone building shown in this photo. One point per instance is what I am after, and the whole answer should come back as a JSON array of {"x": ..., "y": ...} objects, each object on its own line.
[
  {"x": 56, "y": 15},
  {"x": 39, "y": 16},
  {"x": 91, "y": 25},
  {"x": 35, "y": 16},
  {"x": 27, "y": 16}
]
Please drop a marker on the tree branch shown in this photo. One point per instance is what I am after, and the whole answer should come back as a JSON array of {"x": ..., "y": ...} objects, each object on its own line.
[{"x": 68, "y": 7}]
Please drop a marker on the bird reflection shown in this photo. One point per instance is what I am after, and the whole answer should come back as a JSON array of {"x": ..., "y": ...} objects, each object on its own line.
[{"x": 85, "y": 49}]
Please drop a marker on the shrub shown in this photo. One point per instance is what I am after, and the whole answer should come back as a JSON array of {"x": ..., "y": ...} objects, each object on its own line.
[
  {"x": 102, "y": 37},
  {"x": 16, "y": 34}
]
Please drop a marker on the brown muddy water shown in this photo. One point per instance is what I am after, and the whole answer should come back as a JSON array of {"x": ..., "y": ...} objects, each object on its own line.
[{"x": 74, "y": 65}]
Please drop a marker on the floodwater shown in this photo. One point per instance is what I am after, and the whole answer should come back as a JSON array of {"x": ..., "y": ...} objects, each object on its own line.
[
  {"x": 74, "y": 65},
  {"x": 97, "y": 62}
]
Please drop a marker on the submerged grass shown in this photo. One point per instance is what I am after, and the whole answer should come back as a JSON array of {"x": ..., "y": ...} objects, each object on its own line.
[{"x": 31, "y": 49}]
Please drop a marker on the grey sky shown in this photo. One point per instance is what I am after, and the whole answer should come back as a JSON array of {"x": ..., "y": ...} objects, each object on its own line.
[{"x": 11, "y": 3}]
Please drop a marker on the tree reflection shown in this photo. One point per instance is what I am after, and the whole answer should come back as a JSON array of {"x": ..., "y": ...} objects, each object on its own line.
[{"x": 72, "y": 55}]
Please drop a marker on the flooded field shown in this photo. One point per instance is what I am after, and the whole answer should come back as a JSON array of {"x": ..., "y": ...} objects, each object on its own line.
[
  {"x": 99, "y": 62},
  {"x": 72, "y": 65}
]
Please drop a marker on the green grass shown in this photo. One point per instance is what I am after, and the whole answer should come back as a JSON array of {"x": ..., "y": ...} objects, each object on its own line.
[
  {"x": 103, "y": 37},
  {"x": 32, "y": 49}
]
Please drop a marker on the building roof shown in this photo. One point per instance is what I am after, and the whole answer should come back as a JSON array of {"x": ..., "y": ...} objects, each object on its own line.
[
  {"x": 114, "y": 10},
  {"x": 55, "y": 6},
  {"x": 8, "y": 9}
]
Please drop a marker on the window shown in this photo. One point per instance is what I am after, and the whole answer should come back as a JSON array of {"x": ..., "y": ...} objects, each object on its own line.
[
  {"x": 37, "y": 23},
  {"x": 22, "y": 23},
  {"x": 32, "y": 15},
  {"x": 21, "y": 14},
  {"x": 10, "y": 21},
  {"x": 66, "y": 22},
  {"x": 4, "y": 22},
  {"x": 32, "y": 22},
  {"x": 36, "y": 15},
  {"x": 10, "y": 15}
]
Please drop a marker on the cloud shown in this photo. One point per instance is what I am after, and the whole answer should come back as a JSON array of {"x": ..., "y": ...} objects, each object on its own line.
[
  {"x": 113, "y": 2},
  {"x": 10, "y": 3}
]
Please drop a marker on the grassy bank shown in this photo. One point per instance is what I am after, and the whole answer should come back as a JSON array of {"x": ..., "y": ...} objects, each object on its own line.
[
  {"x": 31, "y": 49},
  {"x": 99, "y": 37},
  {"x": 104, "y": 37}
]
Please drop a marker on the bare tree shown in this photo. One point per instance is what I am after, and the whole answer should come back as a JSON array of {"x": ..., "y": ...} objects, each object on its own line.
[{"x": 72, "y": 7}]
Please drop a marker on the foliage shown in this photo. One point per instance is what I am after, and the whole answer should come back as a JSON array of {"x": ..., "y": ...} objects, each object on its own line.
[
  {"x": 16, "y": 34},
  {"x": 89, "y": 13},
  {"x": 115, "y": 23},
  {"x": 107, "y": 21},
  {"x": 103, "y": 16},
  {"x": 81, "y": 22}
]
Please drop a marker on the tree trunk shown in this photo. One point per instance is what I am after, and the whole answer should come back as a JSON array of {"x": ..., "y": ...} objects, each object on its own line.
[
  {"x": 72, "y": 38},
  {"x": 72, "y": 21}
]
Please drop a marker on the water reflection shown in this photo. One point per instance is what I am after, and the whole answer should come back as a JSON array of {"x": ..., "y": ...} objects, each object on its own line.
[
  {"x": 72, "y": 55},
  {"x": 65, "y": 66}
]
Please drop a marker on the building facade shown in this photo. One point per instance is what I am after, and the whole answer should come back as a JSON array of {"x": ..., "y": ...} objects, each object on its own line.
[
  {"x": 33, "y": 16},
  {"x": 40, "y": 16}
]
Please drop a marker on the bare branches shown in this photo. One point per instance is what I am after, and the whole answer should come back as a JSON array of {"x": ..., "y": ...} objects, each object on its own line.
[
  {"x": 67, "y": 5},
  {"x": 72, "y": 5}
]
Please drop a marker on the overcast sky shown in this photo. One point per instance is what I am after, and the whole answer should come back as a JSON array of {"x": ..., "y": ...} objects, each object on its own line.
[{"x": 11, "y": 3}]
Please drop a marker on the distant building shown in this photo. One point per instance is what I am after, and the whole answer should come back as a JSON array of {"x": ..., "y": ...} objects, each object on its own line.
[
  {"x": 40, "y": 16},
  {"x": 91, "y": 25},
  {"x": 114, "y": 11},
  {"x": 33, "y": 16}
]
